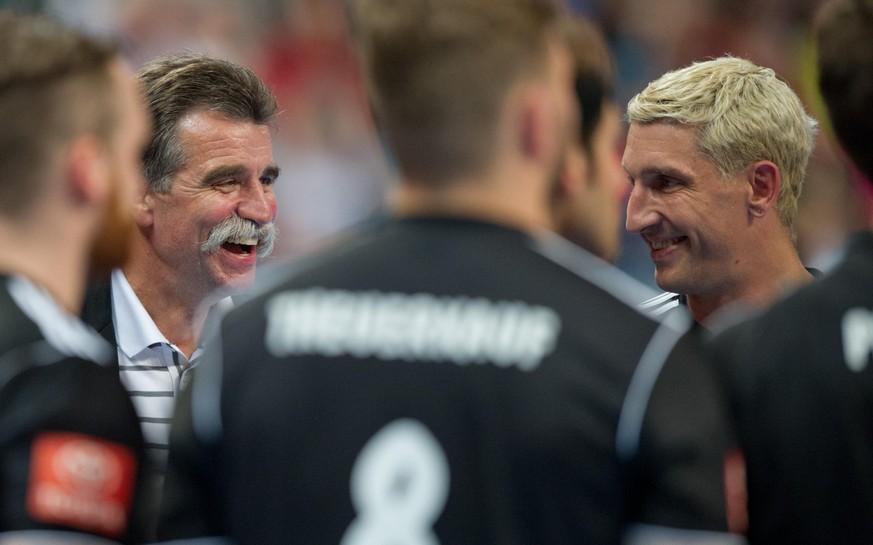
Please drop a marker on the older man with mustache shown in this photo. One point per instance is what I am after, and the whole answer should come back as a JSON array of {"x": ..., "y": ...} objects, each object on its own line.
[{"x": 204, "y": 219}]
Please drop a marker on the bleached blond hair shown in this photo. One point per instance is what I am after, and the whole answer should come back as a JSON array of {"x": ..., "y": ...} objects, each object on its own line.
[{"x": 743, "y": 113}]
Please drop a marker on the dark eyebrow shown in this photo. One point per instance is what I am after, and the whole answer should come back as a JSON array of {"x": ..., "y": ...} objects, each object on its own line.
[
  {"x": 222, "y": 173},
  {"x": 668, "y": 171},
  {"x": 236, "y": 171},
  {"x": 271, "y": 172}
]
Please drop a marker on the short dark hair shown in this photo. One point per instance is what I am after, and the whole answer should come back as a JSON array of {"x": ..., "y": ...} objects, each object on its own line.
[
  {"x": 176, "y": 85},
  {"x": 55, "y": 84},
  {"x": 845, "y": 75},
  {"x": 437, "y": 71},
  {"x": 595, "y": 74}
]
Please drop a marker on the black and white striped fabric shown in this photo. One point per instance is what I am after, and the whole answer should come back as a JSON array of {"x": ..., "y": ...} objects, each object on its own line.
[
  {"x": 151, "y": 368},
  {"x": 153, "y": 378}
]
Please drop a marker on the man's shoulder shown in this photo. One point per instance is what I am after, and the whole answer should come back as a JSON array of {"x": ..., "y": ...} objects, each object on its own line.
[
  {"x": 15, "y": 326},
  {"x": 18, "y": 335},
  {"x": 591, "y": 269},
  {"x": 460, "y": 258},
  {"x": 23, "y": 346},
  {"x": 793, "y": 335}
]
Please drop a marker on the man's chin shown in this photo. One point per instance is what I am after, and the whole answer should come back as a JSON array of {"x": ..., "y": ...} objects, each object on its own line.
[
  {"x": 229, "y": 282},
  {"x": 667, "y": 279}
]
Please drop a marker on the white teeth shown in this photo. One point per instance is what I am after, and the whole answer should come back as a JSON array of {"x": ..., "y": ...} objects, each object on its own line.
[
  {"x": 661, "y": 244},
  {"x": 243, "y": 241}
]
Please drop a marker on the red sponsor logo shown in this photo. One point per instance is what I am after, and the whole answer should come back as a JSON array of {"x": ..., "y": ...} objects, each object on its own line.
[{"x": 82, "y": 482}]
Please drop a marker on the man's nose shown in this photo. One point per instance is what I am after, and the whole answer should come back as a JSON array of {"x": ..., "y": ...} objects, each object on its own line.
[
  {"x": 640, "y": 212},
  {"x": 257, "y": 203}
]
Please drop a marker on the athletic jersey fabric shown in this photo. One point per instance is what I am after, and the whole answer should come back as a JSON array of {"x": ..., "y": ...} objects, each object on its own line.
[
  {"x": 452, "y": 381},
  {"x": 801, "y": 385},
  {"x": 71, "y": 450}
]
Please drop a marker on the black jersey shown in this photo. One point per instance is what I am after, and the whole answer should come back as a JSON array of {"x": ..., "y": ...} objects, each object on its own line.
[
  {"x": 801, "y": 385},
  {"x": 70, "y": 444},
  {"x": 450, "y": 381}
]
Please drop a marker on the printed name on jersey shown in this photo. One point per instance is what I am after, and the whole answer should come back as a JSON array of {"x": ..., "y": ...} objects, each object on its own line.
[
  {"x": 81, "y": 482},
  {"x": 858, "y": 338},
  {"x": 412, "y": 327}
]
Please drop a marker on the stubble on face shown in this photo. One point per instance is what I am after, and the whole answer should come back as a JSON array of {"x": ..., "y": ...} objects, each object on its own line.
[
  {"x": 689, "y": 215},
  {"x": 112, "y": 244}
]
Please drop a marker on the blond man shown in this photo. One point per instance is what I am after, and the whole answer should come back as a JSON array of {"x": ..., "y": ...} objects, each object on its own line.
[{"x": 716, "y": 155}]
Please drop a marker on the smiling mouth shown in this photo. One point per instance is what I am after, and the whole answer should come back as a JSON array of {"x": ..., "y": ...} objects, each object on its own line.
[
  {"x": 666, "y": 243},
  {"x": 240, "y": 246}
]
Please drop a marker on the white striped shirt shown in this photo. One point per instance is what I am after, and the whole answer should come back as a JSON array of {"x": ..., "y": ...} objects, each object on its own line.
[{"x": 151, "y": 368}]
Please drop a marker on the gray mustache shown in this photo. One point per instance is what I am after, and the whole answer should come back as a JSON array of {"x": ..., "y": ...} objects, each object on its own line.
[{"x": 237, "y": 227}]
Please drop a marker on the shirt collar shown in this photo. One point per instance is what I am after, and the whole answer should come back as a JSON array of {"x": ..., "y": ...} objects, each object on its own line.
[
  {"x": 134, "y": 328},
  {"x": 63, "y": 331}
]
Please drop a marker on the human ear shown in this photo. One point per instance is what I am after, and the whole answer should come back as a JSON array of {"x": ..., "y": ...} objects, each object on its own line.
[
  {"x": 144, "y": 209},
  {"x": 86, "y": 170},
  {"x": 765, "y": 181},
  {"x": 532, "y": 133},
  {"x": 539, "y": 133}
]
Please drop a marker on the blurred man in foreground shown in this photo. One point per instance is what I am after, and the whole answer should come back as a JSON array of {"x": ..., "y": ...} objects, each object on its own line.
[
  {"x": 591, "y": 184},
  {"x": 800, "y": 375},
  {"x": 74, "y": 128}
]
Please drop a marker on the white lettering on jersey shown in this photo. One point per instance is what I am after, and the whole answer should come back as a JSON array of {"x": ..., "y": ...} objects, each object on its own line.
[
  {"x": 418, "y": 327},
  {"x": 857, "y": 338},
  {"x": 399, "y": 487}
]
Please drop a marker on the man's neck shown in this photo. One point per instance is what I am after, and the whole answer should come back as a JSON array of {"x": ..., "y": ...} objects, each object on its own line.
[
  {"x": 178, "y": 318},
  {"x": 40, "y": 259},
  {"x": 755, "y": 294}
]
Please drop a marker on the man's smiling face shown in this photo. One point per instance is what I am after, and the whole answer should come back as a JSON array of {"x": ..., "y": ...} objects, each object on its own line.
[
  {"x": 227, "y": 176},
  {"x": 692, "y": 219}
]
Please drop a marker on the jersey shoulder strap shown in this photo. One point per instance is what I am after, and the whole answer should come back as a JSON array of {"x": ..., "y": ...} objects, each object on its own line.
[{"x": 22, "y": 345}]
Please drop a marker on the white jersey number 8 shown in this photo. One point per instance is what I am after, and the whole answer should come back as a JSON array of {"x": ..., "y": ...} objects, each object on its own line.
[{"x": 399, "y": 487}]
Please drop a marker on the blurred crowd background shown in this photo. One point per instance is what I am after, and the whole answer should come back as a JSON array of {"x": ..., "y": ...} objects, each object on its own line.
[{"x": 334, "y": 171}]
